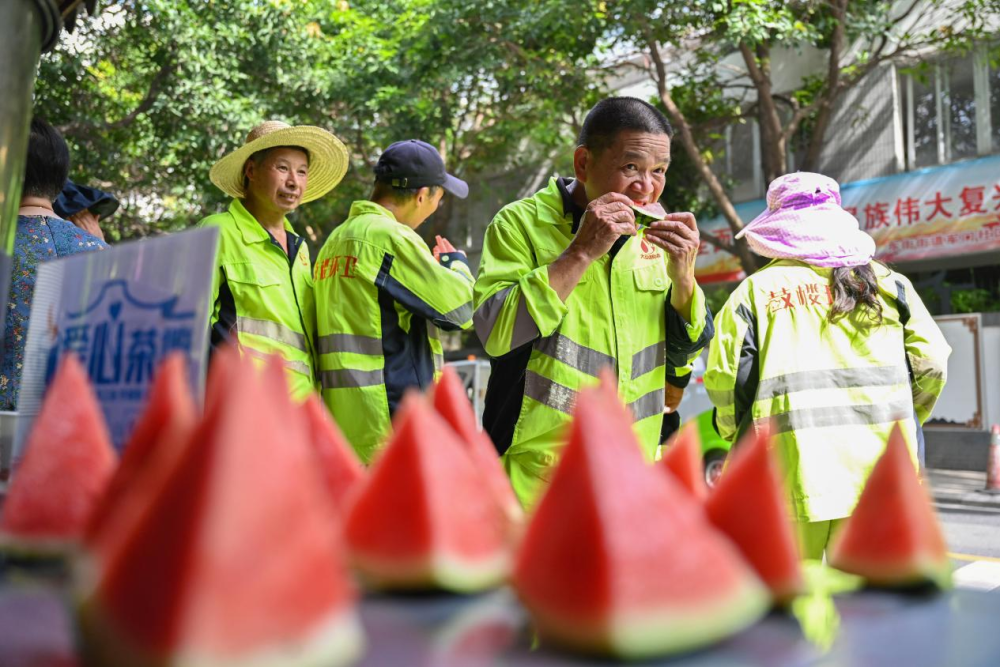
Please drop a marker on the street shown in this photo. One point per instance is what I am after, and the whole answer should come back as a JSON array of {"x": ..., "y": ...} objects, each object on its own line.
[{"x": 971, "y": 522}]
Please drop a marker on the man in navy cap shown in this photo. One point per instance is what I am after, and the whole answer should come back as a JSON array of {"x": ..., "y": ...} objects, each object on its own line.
[{"x": 382, "y": 295}]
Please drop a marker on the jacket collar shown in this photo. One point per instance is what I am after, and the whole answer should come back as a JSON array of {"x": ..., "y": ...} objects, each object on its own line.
[
  {"x": 367, "y": 207},
  {"x": 251, "y": 230}
]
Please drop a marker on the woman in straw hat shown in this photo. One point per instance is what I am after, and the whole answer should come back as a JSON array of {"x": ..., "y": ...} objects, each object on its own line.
[
  {"x": 263, "y": 291},
  {"x": 826, "y": 348}
]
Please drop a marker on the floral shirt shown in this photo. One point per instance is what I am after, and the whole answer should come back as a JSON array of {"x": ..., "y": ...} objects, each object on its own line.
[{"x": 38, "y": 239}]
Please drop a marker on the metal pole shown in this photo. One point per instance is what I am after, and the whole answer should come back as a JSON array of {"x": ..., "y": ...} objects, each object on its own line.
[{"x": 25, "y": 25}]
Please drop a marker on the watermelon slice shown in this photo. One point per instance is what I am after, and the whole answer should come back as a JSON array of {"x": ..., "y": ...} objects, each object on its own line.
[
  {"x": 893, "y": 538},
  {"x": 749, "y": 504},
  {"x": 155, "y": 445},
  {"x": 619, "y": 560},
  {"x": 648, "y": 213},
  {"x": 342, "y": 471},
  {"x": 238, "y": 560},
  {"x": 425, "y": 520},
  {"x": 452, "y": 403},
  {"x": 66, "y": 467},
  {"x": 683, "y": 460}
]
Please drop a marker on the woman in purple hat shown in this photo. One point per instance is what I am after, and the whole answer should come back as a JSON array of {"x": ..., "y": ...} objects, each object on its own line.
[{"x": 827, "y": 348}]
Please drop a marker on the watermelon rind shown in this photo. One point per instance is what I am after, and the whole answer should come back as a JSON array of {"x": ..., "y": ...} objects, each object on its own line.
[
  {"x": 649, "y": 633},
  {"x": 920, "y": 569},
  {"x": 336, "y": 640},
  {"x": 439, "y": 572},
  {"x": 25, "y": 547}
]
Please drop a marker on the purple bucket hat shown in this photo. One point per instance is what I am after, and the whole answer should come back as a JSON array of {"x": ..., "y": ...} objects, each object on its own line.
[{"x": 804, "y": 220}]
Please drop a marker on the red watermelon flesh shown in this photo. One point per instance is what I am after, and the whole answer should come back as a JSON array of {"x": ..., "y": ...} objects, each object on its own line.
[
  {"x": 238, "y": 561},
  {"x": 683, "y": 460},
  {"x": 342, "y": 471},
  {"x": 424, "y": 519},
  {"x": 893, "y": 538},
  {"x": 155, "y": 445},
  {"x": 452, "y": 403},
  {"x": 619, "y": 560},
  {"x": 749, "y": 504},
  {"x": 66, "y": 467},
  {"x": 224, "y": 364}
]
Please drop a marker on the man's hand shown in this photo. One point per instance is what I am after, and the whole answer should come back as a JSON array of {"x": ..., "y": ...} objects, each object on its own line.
[
  {"x": 678, "y": 235},
  {"x": 442, "y": 245},
  {"x": 607, "y": 218},
  {"x": 672, "y": 399},
  {"x": 88, "y": 222}
]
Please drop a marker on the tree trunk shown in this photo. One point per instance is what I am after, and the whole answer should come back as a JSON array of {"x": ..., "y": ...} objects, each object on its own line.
[
  {"x": 686, "y": 137},
  {"x": 774, "y": 157},
  {"x": 824, "y": 113}
]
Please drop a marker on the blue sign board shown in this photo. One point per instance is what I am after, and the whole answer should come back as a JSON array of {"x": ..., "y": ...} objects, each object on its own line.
[{"x": 121, "y": 311}]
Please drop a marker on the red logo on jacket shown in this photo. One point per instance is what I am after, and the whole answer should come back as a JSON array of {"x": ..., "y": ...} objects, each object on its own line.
[{"x": 342, "y": 266}]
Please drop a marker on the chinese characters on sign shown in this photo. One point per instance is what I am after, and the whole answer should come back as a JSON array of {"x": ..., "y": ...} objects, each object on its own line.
[{"x": 121, "y": 312}]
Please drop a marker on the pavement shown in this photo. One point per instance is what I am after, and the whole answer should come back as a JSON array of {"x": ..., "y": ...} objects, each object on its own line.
[{"x": 960, "y": 487}]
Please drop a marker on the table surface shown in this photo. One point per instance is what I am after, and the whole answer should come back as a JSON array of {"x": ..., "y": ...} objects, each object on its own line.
[{"x": 955, "y": 629}]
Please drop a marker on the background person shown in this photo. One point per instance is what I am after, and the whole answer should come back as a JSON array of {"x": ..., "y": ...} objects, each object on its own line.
[
  {"x": 828, "y": 346},
  {"x": 263, "y": 289},
  {"x": 564, "y": 291},
  {"x": 41, "y": 235},
  {"x": 382, "y": 295},
  {"x": 85, "y": 207}
]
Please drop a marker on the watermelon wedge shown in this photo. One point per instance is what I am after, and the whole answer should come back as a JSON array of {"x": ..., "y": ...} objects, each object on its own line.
[
  {"x": 425, "y": 520},
  {"x": 749, "y": 504},
  {"x": 342, "y": 471},
  {"x": 162, "y": 431},
  {"x": 452, "y": 403},
  {"x": 238, "y": 560},
  {"x": 647, "y": 213},
  {"x": 66, "y": 467},
  {"x": 619, "y": 560},
  {"x": 893, "y": 538},
  {"x": 682, "y": 459}
]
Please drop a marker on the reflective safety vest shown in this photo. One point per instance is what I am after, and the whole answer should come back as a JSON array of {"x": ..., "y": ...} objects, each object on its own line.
[
  {"x": 381, "y": 299},
  {"x": 262, "y": 299},
  {"x": 544, "y": 350},
  {"x": 831, "y": 391}
]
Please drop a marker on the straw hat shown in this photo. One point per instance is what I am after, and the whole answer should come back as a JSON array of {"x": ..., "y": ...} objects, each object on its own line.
[{"x": 327, "y": 157}]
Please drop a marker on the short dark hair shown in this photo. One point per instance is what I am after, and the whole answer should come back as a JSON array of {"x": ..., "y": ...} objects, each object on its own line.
[
  {"x": 47, "y": 165},
  {"x": 258, "y": 157},
  {"x": 615, "y": 114},
  {"x": 384, "y": 190}
]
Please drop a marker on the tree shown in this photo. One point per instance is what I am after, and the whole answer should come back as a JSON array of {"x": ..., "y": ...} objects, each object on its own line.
[
  {"x": 680, "y": 45},
  {"x": 152, "y": 92}
]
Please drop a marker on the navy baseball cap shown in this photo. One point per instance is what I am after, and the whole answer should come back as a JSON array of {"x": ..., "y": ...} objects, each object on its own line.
[
  {"x": 75, "y": 198},
  {"x": 417, "y": 164}
]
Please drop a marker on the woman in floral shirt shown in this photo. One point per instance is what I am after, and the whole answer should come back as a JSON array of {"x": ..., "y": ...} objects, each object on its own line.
[{"x": 41, "y": 235}]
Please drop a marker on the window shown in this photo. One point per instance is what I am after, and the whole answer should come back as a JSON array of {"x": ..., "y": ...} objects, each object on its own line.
[
  {"x": 959, "y": 108},
  {"x": 947, "y": 111},
  {"x": 994, "y": 83}
]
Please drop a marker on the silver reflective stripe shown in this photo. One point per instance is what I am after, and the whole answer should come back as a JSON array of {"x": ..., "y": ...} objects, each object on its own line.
[
  {"x": 349, "y": 377},
  {"x": 272, "y": 330},
  {"x": 649, "y": 359},
  {"x": 548, "y": 392},
  {"x": 525, "y": 329},
  {"x": 460, "y": 315},
  {"x": 840, "y": 415},
  {"x": 721, "y": 396},
  {"x": 349, "y": 343},
  {"x": 835, "y": 378},
  {"x": 583, "y": 359},
  {"x": 438, "y": 362},
  {"x": 433, "y": 332},
  {"x": 648, "y": 405},
  {"x": 297, "y": 366}
]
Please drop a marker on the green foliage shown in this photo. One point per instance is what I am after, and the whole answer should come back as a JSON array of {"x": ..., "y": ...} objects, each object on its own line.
[
  {"x": 976, "y": 300},
  {"x": 152, "y": 92}
]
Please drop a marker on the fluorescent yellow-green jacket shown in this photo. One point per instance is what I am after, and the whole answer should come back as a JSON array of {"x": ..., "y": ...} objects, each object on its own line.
[
  {"x": 263, "y": 297},
  {"x": 381, "y": 298},
  {"x": 545, "y": 350},
  {"x": 831, "y": 390}
]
